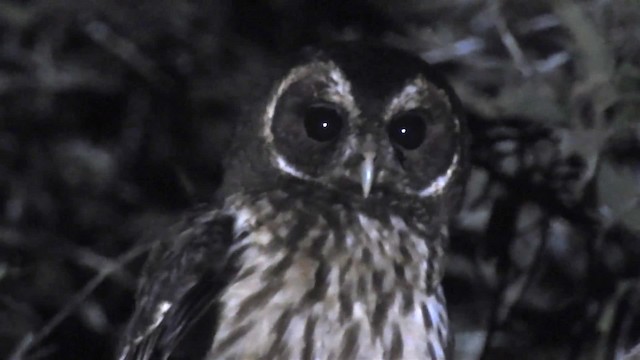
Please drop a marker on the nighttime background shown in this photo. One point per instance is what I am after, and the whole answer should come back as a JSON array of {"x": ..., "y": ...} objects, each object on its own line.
[{"x": 115, "y": 115}]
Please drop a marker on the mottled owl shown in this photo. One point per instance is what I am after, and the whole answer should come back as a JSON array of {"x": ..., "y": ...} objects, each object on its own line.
[{"x": 329, "y": 237}]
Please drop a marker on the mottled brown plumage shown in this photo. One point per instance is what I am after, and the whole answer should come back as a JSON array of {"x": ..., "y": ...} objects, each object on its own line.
[{"x": 330, "y": 238}]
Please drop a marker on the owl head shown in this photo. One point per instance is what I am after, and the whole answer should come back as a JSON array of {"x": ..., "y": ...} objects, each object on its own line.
[{"x": 366, "y": 121}]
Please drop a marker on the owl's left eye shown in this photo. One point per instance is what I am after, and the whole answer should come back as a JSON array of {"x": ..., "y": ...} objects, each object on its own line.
[
  {"x": 408, "y": 129},
  {"x": 322, "y": 122}
]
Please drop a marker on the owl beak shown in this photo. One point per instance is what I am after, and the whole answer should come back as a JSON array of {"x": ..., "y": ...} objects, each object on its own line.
[{"x": 367, "y": 172}]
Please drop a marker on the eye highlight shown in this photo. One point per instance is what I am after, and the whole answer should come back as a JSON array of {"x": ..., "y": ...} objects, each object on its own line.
[
  {"x": 408, "y": 130},
  {"x": 323, "y": 122}
]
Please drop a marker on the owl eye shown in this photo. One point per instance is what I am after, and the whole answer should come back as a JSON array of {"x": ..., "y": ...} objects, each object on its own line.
[
  {"x": 408, "y": 129},
  {"x": 322, "y": 122}
]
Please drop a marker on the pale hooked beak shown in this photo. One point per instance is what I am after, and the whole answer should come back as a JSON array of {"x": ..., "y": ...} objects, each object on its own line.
[
  {"x": 367, "y": 168},
  {"x": 367, "y": 172}
]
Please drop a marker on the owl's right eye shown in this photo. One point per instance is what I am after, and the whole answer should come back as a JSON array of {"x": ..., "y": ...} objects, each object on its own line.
[{"x": 323, "y": 122}]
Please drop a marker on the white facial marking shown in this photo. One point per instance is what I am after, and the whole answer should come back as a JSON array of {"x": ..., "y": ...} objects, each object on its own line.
[
  {"x": 415, "y": 95},
  {"x": 293, "y": 76},
  {"x": 438, "y": 185},
  {"x": 287, "y": 167},
  {"x": 411, "y": 97},
  {"x": 343, "y": 87},
  {"x": 338, "y": 91}
]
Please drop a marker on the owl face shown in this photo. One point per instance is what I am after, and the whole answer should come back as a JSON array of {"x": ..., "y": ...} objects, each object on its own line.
[{"x": 365, "y": 120}]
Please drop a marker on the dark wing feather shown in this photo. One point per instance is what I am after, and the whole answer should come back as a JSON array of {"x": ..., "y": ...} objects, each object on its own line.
[{"x": 175, "y": 310}]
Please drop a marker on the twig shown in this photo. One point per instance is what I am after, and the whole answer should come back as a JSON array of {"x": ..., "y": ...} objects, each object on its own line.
[
  {"x": 510, "y": 301},
  {"x": 127, "y": 51},
  {"x": 31, "y": 340},
  {"x": 455, "y": 50},
  {"x": 510, "y": 42}
]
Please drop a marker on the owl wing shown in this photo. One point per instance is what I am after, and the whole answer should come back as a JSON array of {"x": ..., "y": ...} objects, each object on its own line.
[{"x": 175, "y": 311}]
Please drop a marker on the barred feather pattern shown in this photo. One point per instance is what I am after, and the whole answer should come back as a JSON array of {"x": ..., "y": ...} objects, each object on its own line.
[{"x": 324, "y": 279}]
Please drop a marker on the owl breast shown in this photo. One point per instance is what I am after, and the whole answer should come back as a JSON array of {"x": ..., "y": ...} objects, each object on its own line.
[{"x": 318, "y": 281}]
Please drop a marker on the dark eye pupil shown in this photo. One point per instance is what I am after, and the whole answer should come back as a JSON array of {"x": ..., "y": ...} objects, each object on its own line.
[
  {"x": 322, "y": 123},
  {"x": 408, "y": 130}
]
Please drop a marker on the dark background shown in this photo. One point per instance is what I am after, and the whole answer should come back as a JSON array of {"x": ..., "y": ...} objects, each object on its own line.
[{"x": 114, "y": 116}]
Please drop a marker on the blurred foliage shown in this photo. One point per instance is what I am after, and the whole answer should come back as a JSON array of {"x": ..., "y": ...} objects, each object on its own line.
[{"x": 115, "y": 115}]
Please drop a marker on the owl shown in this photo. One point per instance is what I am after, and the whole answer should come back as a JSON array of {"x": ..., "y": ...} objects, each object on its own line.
[{"x": 328, "y": 238}]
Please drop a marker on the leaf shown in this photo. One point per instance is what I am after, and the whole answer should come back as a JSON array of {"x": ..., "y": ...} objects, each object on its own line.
[{"x": 619, "y": 191}]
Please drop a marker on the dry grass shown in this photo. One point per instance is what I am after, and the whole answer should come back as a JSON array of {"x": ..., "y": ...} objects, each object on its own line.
[{"x": 114, "y": 118}]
